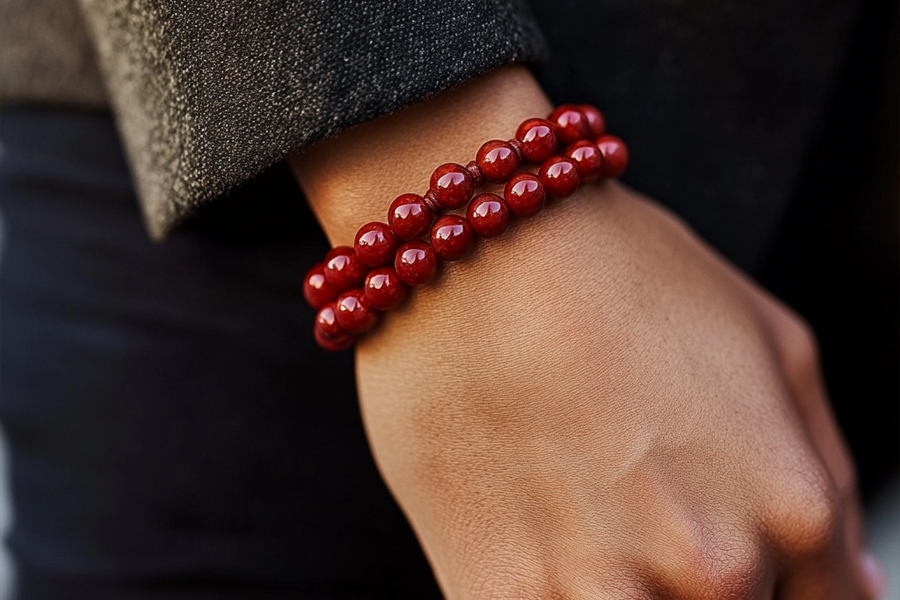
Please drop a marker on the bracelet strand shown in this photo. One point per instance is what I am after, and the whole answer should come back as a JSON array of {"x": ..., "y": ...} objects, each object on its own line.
[{"x": 353, "y": 285}]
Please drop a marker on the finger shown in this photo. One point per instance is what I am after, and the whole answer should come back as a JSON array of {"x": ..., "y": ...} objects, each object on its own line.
[{"x": 808, "y": 390}]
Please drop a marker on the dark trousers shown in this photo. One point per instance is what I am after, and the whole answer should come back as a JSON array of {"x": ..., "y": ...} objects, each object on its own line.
[{"x": 174, "y": 431}]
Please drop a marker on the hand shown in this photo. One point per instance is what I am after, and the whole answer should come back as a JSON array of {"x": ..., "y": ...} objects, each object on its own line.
[{"x": 596, "y": 405}]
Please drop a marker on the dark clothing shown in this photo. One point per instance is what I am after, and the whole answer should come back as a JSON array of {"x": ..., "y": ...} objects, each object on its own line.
[
  {"x": 174, "y": 432},
  {"x": 711, "y": 95}
]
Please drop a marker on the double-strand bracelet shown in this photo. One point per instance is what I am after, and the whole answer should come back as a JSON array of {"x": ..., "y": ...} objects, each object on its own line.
[{"x": 352, "y": 286}]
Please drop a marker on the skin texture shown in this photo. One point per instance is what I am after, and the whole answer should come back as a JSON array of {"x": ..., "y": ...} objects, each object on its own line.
[{"x": 595, "y": 404}]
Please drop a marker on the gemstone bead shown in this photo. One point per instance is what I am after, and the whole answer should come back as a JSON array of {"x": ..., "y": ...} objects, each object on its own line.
[
  {"x": 559, "y": 176},
  {"x": 409, "y": 216},
  {"x": 525, "y": 195},
  {"x": 497, "y": 161},
  {"x": 343, "y": 270},
  {"x": 353, "y": 312},
  {"x": 328, "y": 333},
  {"x": 595, "y": 120},
  {"x": 452, "y": 185},
  {"x": 571, "y": 124},
  {"x": 452, "y": 237},
  {"x": 538, "y": 138},
  {"x": 615, "y": 155},
  {"x": 333, "y": 344},
  {"x": 488, "y": 215},
  {"x": 375, "y": 244},
  {"x": 383, "y": 288},
  {"x": 316, "y": 291},
  {"x": 415, "y": 263},
  {"x": 586, "y": 156}
]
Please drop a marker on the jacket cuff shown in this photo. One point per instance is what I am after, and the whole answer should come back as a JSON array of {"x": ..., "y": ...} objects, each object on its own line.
[{"x": 209, "y": 94}]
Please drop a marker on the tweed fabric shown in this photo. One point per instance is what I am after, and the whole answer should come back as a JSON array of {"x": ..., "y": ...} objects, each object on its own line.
[
  {"x": 46, "y": 56},
  {"x": 210, "y": 93}
]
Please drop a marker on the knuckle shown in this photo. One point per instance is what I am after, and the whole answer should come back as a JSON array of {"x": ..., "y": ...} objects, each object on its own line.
[
  {"x": 800, "y": 342},
  {"x": 811, "y": 518},
  {"x": 731, "y": 570}
]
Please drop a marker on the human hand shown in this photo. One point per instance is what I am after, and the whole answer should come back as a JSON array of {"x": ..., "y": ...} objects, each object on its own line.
[{"x": 598, "y": 406}]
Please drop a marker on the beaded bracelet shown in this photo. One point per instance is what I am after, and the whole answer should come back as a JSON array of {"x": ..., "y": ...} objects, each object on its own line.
[{"x": 353, "y": 285}]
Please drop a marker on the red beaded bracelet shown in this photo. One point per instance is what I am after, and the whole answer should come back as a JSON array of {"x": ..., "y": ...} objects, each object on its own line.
[{"x": 353, "y": 285}]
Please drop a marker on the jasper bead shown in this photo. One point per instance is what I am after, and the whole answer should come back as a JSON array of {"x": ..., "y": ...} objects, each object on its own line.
[
  {"x": 452, "y": 237},
  {"x": 586, "y": 156},
  {"x": 415, "y": 263},
  {"x": 571, "y": 124},
  {"x": 316, "y": 291},
  {"x": 375, "y": 244},
  {"x": 353, "y": 312},
  {"x": 538, "y": 139},
  {"x": 615, "y": 155},
  {"x": 452, "y": 185},
  {"x": 595, "y": 120},
  {"x": 497, "y": 161},
  {"x": 525, "y": 195},
  {"x": 488, "y": 215},
  {"x": 328, "y": 333},
  {"x": 409, "y": 216},
  {"x": 383, "y": 289},
  {"x": 559, "y": 176},
  {"x": 343, "y": 270}
]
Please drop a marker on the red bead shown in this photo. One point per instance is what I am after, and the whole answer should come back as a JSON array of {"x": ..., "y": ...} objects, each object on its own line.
[
  {"x": 383, "y": 289},
  {"x": 488, "y": 215},
  {"x": 409, "y": 216},
  {"x": 333, "y": 344},
  {"x": 615, "y": 155},
  {"x": 343, "y": 270},
  {"x": 538, "y": 138},
  {"x": 452, "y": 185},
  {"x": 328, "y": 333},
  {"x": 416, "y": 263},
  {"x": 559, "y": 176},
  {"x": 586, "y": 156},
  {"x": 525, "y": 195},
  {"x": 595, "y": 119},
  {"x": 452, "y": 237},
  {"x": 316, "y": 291},
  {"x": 353, "y": 312},
  {"x": 375, "y": 244},
  {"x": 497, "y": 161},
  {"x": 571, "y": 124}
]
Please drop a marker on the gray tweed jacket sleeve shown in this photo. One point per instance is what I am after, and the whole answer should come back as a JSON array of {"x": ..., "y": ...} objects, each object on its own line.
[{"x": 209, "y": 93}]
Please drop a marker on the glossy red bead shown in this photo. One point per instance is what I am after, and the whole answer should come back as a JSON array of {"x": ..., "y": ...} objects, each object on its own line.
[
  {"x": 383, "y": 288},
  {"x": 595, "y": 119},
  {"x": 571, "y": 124},
  {"x": 497, "y": 161},
  {"x": 615, "y": 155},
  {"x": 586, "y": 156},
  {"x": 488, "y": 215},
  {"x": 559, "y": 176},
  {"x": 409, "y": 216},
  {"x": 353, "y": 312},
  {"x": 316, "y": 291},
  {"x": 452, "y": 185},
  {"x": 538, "y": 138},
  {"x": 452, "y": 237},
  {"x": 328, "y": 333},
  {"x": 525, "y": 195},
  {"x": 343, "y": 270},
  {"x": 415, "y": 263},
  {"x": 375, "y": 244}
]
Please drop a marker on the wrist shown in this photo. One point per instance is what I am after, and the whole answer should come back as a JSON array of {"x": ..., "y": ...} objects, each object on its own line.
[{"x": 352, "y": 178}]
